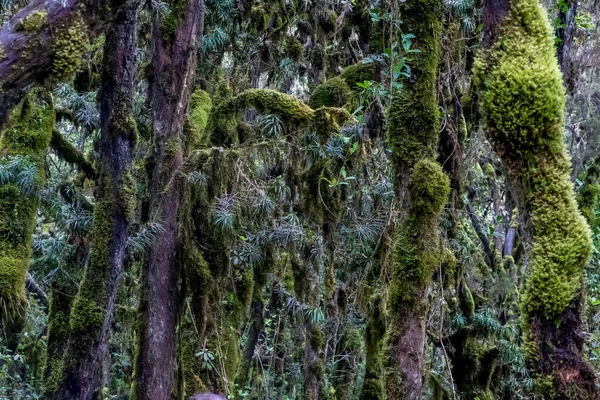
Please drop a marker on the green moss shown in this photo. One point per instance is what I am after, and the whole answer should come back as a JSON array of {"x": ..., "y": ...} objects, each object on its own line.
[
  {"x": 524, "y": 100},
  {"x": 358, "y": 72},
  {"x": 327, "y": 20},
  {"x": 333, "y": 93},
  {"x": 33, "y": 22},
  {"x": 293, "y": 48},
  {"x": 65, "y": 150},
  {"x": 417, "y": 248},
  {"x": 170, "y": 22},
  {"x": 28, "y": 134},
  {"x": 336, "y": 91},
  {"x": 413, "y": 118},
  {"x": 258, "y": 19},
  {"x": 200, "y": 106},
  {"x": 70, "y": 42}
]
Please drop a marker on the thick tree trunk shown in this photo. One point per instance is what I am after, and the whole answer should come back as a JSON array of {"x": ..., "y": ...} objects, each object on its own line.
[
  {"x": 561, "y": 241},
  {"x": 422, "y": 188},
  {"x": 174, "y": 62},
  {"x": 93, "y": 307},
  {"x": 45, "y": 41}
]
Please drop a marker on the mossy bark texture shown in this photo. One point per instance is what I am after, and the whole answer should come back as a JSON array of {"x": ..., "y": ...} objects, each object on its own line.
[
  {"x": 92, "y": 309},
  {"x": 27, "y": 137},
  {"x": 422, "y": 188},
  {"x": 524, "y": 100},
  {"x": 44, "y": 41},
  {"x": 174, "y": 41}
]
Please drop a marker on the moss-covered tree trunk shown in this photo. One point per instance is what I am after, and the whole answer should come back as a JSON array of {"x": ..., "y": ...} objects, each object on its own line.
[
  {"x": 524, "y": 100},
  {"x": 25, "y": 140},
  {"x": 59, "y": 313},
  {"x": 174, "y": 48},
  {"x": 422, "y": 188},
  {"x": 93, "y": 307},
  {"x": 45, "y": 41}
]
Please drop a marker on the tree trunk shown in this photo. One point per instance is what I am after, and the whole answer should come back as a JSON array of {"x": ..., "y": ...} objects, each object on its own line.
[
  {"x": 422, "y": 188},
  {"x": 45, "y": 41},
  {"x": 527, "y": 123},
  {"x": 174, "y": 47},
  {"x": 93, "y": 307},
  {"x": 26, "y": 138}
]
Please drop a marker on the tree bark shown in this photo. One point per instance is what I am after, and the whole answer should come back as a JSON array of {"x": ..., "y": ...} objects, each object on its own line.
[
  {"x": 44, "y": 41},
  {"x": 174, "y": 63},
  {"x": 93, "y": 307}
]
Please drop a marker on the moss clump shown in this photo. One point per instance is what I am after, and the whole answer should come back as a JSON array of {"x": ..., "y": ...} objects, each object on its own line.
[
  {"x": 259, "y": 19},
  {"x": 70, "y": 42},
  {"x": 293, "y": 48},
  {"x": 333, "y": 93},
  {"x": 359, "y": 72},
  {"x": 336, "y": 91},
  {"x": 200, "y": 106},
  {"x": 33, "y": 22},
  {"x": 327, "y": 20}
]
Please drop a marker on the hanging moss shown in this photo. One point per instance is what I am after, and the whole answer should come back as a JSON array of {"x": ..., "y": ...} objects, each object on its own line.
[
  {"x": 258, "y": 19},
  {"x": 65, "y": 150},
  {"x": 28, "y": 134},
  {"x": 524, "y": 99}
]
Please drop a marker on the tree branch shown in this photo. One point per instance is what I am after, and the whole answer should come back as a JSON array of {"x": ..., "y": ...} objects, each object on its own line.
[
  {"x": 70, "y": 154},
  {"x": 44, "y": 41}
]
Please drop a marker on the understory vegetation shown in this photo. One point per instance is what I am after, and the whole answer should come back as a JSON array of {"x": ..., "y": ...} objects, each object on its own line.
[{"x": 365, "y": 199}]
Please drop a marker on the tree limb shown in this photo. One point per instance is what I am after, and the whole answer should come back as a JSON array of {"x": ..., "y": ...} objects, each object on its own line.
[
  {"x": 70, "y": 154},
  {"x": 44, "y": 41}
]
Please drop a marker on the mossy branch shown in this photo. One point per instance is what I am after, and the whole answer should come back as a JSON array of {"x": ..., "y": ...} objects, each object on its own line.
[
  {"x": 45, "y": 40},
  {"x": 70, "y": 154},
  {"x": 295, "y": 113}
]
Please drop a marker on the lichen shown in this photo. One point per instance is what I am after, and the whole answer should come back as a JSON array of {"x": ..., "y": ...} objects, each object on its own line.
[{"x": 71, "y": 40}]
